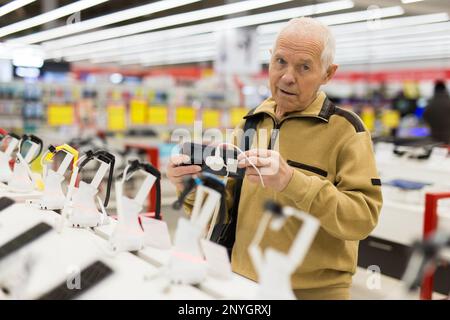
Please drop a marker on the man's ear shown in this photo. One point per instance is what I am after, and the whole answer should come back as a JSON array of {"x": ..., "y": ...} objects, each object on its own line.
[{"x": 330, "y": 73}]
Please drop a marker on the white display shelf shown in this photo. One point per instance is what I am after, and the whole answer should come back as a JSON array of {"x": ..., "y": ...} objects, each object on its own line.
[
  {"x": 57, "y": 253},
  {"x": 235, "y": 287}
]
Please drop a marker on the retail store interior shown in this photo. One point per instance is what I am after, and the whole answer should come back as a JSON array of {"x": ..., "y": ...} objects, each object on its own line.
[{"x": 94, "y": 95}]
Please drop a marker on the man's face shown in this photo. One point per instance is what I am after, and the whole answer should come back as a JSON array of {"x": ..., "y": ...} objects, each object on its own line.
[{"x": 295, "y": 71}]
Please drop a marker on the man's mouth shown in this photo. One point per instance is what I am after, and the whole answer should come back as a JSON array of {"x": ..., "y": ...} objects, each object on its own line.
[{"x": 287, "y": 92}]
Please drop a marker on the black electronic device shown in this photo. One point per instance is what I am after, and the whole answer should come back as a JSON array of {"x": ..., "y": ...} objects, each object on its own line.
[
  {"x": 5, "y": 202},
  {"x": 89, "y": 276},
  {"x": 199, "y": 153},
  {"x": 24, "y": 239}
]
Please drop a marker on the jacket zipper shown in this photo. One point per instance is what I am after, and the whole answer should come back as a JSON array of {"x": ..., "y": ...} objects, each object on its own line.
[{"x": 277, "y": 127}]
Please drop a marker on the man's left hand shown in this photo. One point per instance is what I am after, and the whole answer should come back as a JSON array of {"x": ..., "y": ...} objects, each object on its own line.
[{"x": 275, "y": 171}]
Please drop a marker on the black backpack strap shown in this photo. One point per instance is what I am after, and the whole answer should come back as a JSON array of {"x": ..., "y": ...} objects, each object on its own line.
[
  {"x": 246, "y": 142},
  {"x": 225, "y": 234}
]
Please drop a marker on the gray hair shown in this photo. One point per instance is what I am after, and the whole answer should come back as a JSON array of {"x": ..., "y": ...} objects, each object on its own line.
[{"x": 306, "y": 25}]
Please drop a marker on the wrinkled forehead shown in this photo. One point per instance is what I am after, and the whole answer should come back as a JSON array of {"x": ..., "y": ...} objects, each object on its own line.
[{"x": 297, "y": 42}]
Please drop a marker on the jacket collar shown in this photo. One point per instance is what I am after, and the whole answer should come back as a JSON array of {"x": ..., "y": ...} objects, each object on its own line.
[{"x": 321, "y": 108}]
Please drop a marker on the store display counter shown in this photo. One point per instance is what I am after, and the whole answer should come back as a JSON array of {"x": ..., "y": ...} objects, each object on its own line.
[{"x": 55, "y": 255}]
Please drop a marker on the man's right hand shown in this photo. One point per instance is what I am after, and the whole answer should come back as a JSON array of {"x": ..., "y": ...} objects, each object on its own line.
[{"x": 177, "y": 173}]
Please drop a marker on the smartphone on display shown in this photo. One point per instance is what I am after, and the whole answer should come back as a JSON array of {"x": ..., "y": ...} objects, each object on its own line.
[{"x": 199, "y": 152}]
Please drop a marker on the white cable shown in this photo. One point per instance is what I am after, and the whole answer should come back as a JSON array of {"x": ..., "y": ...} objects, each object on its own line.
[{"x": 247, "y": 158}]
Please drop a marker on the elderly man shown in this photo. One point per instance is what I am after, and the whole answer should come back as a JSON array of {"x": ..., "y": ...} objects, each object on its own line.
[{"x": 324, "y": 165}]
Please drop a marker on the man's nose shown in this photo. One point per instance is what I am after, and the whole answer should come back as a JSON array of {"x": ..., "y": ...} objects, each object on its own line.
[{"x": 288, "y": 78}]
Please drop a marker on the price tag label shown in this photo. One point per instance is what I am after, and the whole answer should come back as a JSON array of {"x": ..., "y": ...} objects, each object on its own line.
[
  {"x": 237, "y": 115},
  {"x": 156, "y": 233},
  {"x": 211, "y": 118},
  {"x": 217, "y": 259},
  {"x": 184, "y": 116},
  {"x": 138, "y": 112},
  {"x": 60, "y": 115},
  {"x": 368, "y": 117},
  {"x": 157, "y": 115},
  {"x": 116, "y": 117},
  {"x": 391, "y": 118}
]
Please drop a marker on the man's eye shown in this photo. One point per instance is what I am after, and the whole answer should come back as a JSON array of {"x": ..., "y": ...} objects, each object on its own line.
[
  {"x": 281, "y": 61},
  {"x": 306, "y": 67}
]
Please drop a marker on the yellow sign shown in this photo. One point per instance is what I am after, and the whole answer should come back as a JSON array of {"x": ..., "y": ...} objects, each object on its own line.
[
  {"x": 391, "y": 118},
  {"x": 237, "y": 115},
  {"x": 368, "y": 117},
  {"x": 60, "y": 115},
  {"x": 116, "y": 117},
  {"x": 211, "y": 118},
  {"x": 184, "y": 116},
  {"x": 207, "y": 72},
  {"x": 157, "y": 115},
  {"x": 138, "y": 111},
  {"x": 411, "y": 90}
]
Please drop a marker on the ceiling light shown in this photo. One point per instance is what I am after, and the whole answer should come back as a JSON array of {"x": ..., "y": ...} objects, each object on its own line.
[
  {"x": 391, "y": 23},
  {"x": 30, "y": 56},
  {"x": 201, "y": 15},
  {"x": 410, "y": 1},
  {"x": 54, "y": 47},
  {"x": 198, "y": 40},
  {"x": 49, "y": 16},
  {"x": 168, "y": 21},
  {"x": 13, "y": 5},
  {"x": 400, "y": 32},
  {"x": 102, "y": 21}
]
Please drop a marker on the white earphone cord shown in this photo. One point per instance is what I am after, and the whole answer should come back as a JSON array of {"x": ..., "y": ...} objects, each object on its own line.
[{"x": 247, "y": 158}]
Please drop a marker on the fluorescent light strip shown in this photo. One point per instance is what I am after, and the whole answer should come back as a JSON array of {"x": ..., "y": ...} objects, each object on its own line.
[
  {"x": 171, "y": 62},
  {"x": 179, "y": 61},
  {"x": 273, "y": 28},
  {"x": 404, "y": 33},
  {"x": 400, "y": 32},
  {"x": 167, "y": 53},
  {"x": 383, "y": 45},
  {"x": 13, "y": 5},
  {"x": 102, "y": 21},
  {"x": 407, "y": 32},
  {"x": 202, "y": 28},
  {"x": 362, "y": 15},
  {"x": 390, "y": 23},
  {"x": 203, "y": 55},
  {"x": 165, "y": 35},
  {"x": 410, "y": 1},
  {"x": 164, "y": 22},
  {"x": 206, "y": 56},
  {"x": 339, "y": 18},
  {"x": 394, "y": 51},
  {"x": 421, "y": 41},
  {"x": 431, "y": 56},
  {"x": 49, "y": 16},
  {"x": 208, "y": 38}
]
